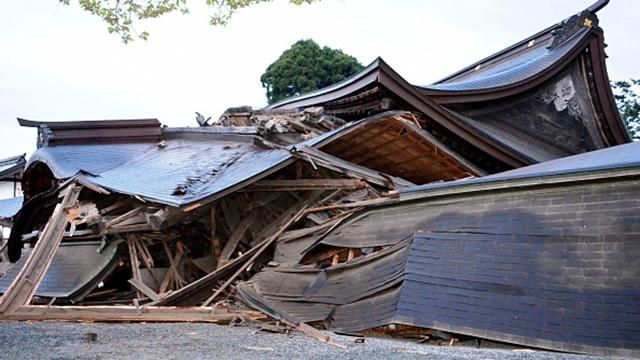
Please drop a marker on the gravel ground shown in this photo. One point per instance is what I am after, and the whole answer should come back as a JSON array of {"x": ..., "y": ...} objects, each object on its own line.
[{"x": 60, "y": 340}]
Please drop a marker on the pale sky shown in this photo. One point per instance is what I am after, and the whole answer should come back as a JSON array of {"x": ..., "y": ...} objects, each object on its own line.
[{"x": 59, "y": 63}]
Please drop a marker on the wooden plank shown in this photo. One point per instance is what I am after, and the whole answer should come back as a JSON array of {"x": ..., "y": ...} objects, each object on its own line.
[
  {"x": 364, "y": 203},
  {"x": 172, "y": 273},
  {"x": 191, "y": 294},
  {"x": 306, "y": 184},
  {"x": 130, "y": 313},
  {"x": 235, "y": 238},
  {"x": 117, "y": 205},
  {"x": 24, "y": 286},
  {"x": 147, "y": 260},
  {"x": 123, "y": 217},
  {"x": 140, "y": 286},
  {"x": 117, "y": 229}
]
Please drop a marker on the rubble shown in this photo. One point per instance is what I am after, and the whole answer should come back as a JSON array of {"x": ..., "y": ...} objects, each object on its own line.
[{"x": 372, "y": 204}]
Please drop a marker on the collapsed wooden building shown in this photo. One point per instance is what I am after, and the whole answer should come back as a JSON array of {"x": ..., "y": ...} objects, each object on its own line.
[{"x": 369, "y": 203}]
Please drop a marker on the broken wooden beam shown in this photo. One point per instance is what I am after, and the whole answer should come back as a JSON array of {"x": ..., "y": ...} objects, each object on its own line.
[
  {"x": 236, "y": 236},
  {"x": 130, "y": 313},
  {"x": 306, "y": 184},
  {"x": 143, "y": 288}
]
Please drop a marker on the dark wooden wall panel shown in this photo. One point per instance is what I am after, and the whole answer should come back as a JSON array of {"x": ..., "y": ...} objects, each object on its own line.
[{"x": 554, "y": 265}]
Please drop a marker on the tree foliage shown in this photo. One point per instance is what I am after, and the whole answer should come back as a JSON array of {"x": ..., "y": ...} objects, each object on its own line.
[
  {"x": 628, "y": 101},
  {"x": 122, "y": 15},
  {"x": 306, "y": 67}
]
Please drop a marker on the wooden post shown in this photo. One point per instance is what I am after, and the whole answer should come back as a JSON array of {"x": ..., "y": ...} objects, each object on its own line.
[
  {"x": 215, "y": 241},
  {"x": 133, "y": 257}
]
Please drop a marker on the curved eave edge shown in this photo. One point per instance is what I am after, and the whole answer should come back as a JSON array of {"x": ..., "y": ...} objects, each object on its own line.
[
  {"x": 603, "y": 89},
  {"x": 495, "y": 55},
  {"x": 289, "y": 102},
  {"x": 594, "y": 8},
  {"x": 391, "y": 80},
  {"x": 517, "y": 87}
]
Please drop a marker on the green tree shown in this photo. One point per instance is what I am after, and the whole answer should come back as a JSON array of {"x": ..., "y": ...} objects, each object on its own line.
[
  {"x": 628, "y": 101},
  {"x": 122, "y": 15},
  {"x": 306, "y": 67}
]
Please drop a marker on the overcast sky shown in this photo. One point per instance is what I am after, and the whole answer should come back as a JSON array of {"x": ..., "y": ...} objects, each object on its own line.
[{"x": 59, "y": 63}]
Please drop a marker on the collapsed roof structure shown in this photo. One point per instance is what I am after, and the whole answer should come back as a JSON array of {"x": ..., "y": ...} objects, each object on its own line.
[{"x": 368, "y": 203}]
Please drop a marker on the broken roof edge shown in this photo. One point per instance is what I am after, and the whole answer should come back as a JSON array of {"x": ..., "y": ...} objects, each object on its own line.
[
  {"x": 241, "y": 134},
  {"x": 13, "y": 159},
  {"x": 12, "y": 166}
]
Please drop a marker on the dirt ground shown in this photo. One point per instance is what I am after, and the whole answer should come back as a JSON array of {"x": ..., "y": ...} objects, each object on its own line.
[{"x": 60, "y": 340}]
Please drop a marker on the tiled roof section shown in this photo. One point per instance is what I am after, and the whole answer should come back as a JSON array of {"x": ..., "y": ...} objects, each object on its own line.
[
  {"x": 514, "y": 67},
  {"x": 66, "y": 161},
  {"x": 188, "y": 165},
  {"x": 185, "y": 167},
  {"x": 12, "y": 166},
  {"x": 185, "y": 171}
]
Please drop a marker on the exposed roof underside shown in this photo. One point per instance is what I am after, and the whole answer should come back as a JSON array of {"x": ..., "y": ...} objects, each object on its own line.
[{"x": 395, "y": 144}]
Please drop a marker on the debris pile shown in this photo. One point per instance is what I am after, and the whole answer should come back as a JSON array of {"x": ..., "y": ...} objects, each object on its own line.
[
  {"x": 371, "y": 205},
  {"x": 282, "y": 126}
]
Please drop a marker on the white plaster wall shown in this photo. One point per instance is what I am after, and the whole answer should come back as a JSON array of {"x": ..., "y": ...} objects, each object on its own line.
[{"x": 6, "y": 189}]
